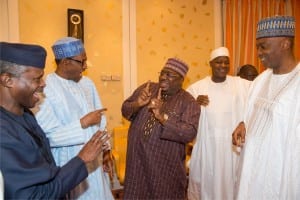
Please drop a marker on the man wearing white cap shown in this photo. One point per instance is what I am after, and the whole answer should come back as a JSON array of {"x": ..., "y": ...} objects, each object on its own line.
[
  {"x": 270, "y": 131},
  {"x": 71, "y": 113},
  {"x": 213, "y": 161}
]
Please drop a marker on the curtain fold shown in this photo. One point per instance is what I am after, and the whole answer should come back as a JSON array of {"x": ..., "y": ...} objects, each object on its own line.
[{"x": 241, "y": 17}]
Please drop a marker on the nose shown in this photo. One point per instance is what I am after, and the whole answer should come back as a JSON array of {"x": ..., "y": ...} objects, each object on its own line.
[
  {"x": 224, "y": 64},
  {"x": 259, "y": 51},
  {"x": 84, "y": 66},
  {"x": 43, "y": 83}
]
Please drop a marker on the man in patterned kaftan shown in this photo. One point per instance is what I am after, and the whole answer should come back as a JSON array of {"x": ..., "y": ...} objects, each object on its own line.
[{"x": 164, "y": 118}]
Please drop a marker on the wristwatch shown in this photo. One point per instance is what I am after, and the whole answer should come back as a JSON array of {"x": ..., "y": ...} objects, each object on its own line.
[{"x": 165, "y": 117}]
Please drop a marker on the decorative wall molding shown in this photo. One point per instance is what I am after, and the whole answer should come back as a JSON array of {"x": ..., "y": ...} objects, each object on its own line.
[{"x": 129, "y": 48}]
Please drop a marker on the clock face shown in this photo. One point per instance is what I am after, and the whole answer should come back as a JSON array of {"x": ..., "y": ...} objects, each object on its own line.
[
  {"x": 75, "y": 24},
  {"x": 75, "y": 19}
]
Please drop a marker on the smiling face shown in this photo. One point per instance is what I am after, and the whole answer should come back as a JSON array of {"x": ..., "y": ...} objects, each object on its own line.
[
  {"x": 220, "y": 68},
  {"x": 170, "y": 81},
  {"x": 25, "y": 89},
  {"x": 269, "y": 51}
]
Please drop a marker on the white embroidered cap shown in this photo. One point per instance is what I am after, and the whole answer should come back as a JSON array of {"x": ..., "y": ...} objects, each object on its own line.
[{"x": 221, "y": 51}]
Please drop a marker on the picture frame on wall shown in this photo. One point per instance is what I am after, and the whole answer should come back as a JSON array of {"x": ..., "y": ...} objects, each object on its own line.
[{"x": 76, "y": 23}]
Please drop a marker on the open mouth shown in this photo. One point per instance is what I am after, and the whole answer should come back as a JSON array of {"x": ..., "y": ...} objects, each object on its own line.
[
  {"x": 223, "y": 70},
  {"x": 38, "y": 93},
  {"x": 163, "y": 84},
  {"x": 37, "y": 96}
]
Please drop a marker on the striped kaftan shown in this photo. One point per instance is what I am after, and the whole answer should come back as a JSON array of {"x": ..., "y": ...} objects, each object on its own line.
[
  {"x": 155, "y": 164},
  {"x": 59, "y": 116}
]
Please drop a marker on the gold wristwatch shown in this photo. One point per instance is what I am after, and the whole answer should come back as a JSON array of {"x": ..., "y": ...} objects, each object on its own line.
[{"x": 165, "y": 117}]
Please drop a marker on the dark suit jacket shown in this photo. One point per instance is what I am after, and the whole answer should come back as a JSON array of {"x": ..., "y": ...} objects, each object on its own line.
[{"x": 27, "y": 165}]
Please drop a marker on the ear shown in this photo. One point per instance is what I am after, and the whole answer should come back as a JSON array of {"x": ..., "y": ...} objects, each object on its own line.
[
  {"x": 286, "y": 43},
  {"x": 61, "y": 65},
  {"x": 63, "y": 61},
  {"x": 6, "y": 80}
]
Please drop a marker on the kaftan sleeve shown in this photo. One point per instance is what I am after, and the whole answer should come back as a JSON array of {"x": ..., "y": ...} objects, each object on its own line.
[
  {"x": 183, "y": 127},
  {"x": 127, "y": 106},
  {"x": 57, "y": 133},
  {"x": 26, "y": 173},
  {"x": 61, "y": 121},
  {"x": 244, "y": 86}
]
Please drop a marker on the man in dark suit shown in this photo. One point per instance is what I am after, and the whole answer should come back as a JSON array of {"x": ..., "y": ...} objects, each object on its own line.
[{"x": 27, "y": 164}]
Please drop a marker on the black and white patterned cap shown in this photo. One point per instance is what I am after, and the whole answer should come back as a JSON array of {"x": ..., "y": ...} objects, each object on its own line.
[{"x": 277, "y": 26}]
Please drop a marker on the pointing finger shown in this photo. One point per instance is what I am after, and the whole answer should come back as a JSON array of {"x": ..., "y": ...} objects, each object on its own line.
[
  {"x": 102, "y": 110},
  {"x": 148, "y": 86},
  {"x": 159, "y": 94}
]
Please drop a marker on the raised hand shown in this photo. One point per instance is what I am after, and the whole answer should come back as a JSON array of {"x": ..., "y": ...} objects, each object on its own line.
[
  {"x": 108, "y": 163},
  {"x": 144, "y": 96},
  {"x": 92, "y": 118},
  {"x": 93, "y": 147},
  {"x": 159, "y": 94},
  {"x": 156, "y": 105}
]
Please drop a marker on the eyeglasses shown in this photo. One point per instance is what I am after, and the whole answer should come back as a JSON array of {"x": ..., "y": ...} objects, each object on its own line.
[
  {"x": 168, "y": 74},
  {"x": 81, "y": 62}
]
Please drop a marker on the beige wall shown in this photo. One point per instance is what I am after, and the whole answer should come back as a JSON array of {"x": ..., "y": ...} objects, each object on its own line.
[
  {"x": 164, "y": 28},
  {"x": 174, "y": 28},
  {"x": 43, "y": 22}
]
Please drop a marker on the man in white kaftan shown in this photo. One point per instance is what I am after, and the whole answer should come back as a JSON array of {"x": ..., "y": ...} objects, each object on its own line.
[
  {"x": 270, "y": 159},
  {"x": 213, "y": 160},
  {"x": 273, "y": 132},
  {"x": 60, "y": 115}
]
